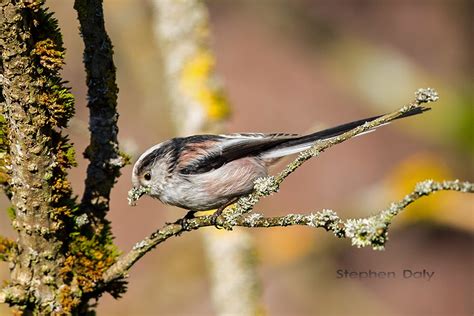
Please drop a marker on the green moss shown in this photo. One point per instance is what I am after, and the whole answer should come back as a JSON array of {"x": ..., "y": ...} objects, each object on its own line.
[
  {"x": 11, "y": 213},
  {"x": 63, "y": 203},
  {"x": 57, "y": 100},
  {"x": 48, "y": 56},
  {"x": 88, "y": 259},
  {"x": 126, "y": 158}
]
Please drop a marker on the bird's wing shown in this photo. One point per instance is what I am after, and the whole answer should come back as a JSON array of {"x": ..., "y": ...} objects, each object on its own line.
[{"x": 203, "y": 153}]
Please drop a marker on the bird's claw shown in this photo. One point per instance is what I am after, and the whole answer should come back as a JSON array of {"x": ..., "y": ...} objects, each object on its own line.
[
  {"x": 184, "y": 222},
  {"x": 214, "y": 220}
]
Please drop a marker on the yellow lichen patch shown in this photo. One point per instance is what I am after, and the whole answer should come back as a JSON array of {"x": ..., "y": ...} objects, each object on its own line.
[
  {"x": 87, "y": 262},
  {"x": 17, "y": 312},
  {"x": 68, "y": 300},
  {"x": 59, "y": 102},
  {"x": 62, "y": 210},
  {"x": 33, "y": 5},
  {"x": 197, "y": 80},
  {"x": 51, "y": 57},
  {"x": 61, "y": 188},
  {"x": 6, "y": 248}
]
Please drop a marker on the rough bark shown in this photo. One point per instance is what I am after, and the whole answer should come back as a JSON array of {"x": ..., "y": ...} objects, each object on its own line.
[
  {"x": 37, "y": 106},
  {"x": 103, "y": 150}
]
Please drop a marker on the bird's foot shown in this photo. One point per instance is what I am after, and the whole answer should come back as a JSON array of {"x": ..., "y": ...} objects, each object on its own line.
[
  {"x": 214, "y": 218},
  {"x": 184, "y": 222}
]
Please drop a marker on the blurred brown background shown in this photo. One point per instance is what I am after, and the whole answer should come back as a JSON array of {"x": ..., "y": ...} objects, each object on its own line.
[{"x": 297, "y": 66}]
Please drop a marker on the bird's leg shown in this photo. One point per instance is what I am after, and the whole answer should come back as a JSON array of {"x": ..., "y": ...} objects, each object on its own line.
[
  {"x": 217, "y": 214},
  {"x": 219, "y": 211},
  {"x": 184, "y": 221},
  {"x": 189, "y": 215}
]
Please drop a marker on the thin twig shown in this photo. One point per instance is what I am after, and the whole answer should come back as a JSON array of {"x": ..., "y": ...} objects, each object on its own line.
[{"x": 269, "y": 185}]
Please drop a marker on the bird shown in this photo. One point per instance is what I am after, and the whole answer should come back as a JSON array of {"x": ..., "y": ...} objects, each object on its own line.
[{"x": 207, "y": 172}]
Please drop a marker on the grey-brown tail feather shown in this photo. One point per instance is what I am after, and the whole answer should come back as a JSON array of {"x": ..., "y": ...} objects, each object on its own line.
[
  {"x": 338, "y": 130},
  {"x": 299, "y": 143}
]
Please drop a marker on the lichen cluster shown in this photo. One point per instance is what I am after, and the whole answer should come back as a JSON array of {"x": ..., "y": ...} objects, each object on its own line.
[{"x": 135, "y": 193}]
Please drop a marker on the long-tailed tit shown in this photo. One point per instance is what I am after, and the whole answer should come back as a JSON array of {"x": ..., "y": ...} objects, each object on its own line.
[{"x": 205, "y": 172}]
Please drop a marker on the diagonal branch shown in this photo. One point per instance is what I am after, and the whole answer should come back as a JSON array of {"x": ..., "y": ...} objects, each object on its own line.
[
  {"x": 269, "y": 185},
  {"x": 103, "y": 151},
  {"x": 371, "y": 231}
]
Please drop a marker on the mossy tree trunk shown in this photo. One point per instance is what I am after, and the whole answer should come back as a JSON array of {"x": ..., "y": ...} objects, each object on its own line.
[{"x": 63, "y": 247}]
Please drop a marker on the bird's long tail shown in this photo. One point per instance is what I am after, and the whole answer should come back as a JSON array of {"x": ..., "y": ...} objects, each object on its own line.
[{"x": 301, "y": 143}]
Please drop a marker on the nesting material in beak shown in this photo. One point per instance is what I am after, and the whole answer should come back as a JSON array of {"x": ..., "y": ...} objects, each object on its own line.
[{"x": 135, "y": 193}]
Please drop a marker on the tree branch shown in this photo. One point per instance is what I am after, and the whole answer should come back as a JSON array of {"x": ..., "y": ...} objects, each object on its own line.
[
  {"x": 371, "y": 231},
  {"x": 269, "y": 185},
  {"x": 95, "y": 247},
  {"x": 103, "y": 151}
]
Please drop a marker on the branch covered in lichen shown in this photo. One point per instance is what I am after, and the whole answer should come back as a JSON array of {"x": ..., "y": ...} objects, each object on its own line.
[
  {"x": 269, "y": 185},
  {"x": 4, "y": 152},
  {"x": 371, "y": 231},
  {"x": 4, "y": 147}
]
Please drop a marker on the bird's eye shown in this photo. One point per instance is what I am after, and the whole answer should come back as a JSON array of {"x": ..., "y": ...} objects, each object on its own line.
[{"x": 147, "y": 176}]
